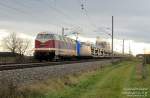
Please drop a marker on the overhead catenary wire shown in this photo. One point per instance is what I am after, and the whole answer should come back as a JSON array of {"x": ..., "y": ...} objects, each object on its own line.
[
  {"x": 19, "y": 15},
  {"x": 74, "y": 27},
  {"x": 4, "y": 7},
  {"x": 27, "y": 13},
  {"x": 60, "y": 12},
  {"x": 85, "y": 12},
  {"x": 12, "y": 8},
  {"x": 83, "y": 7},
  {"x": 20, "y": 11}
]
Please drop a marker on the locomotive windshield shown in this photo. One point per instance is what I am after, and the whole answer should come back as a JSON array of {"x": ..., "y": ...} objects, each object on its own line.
[{"x": 45, "y": 36}]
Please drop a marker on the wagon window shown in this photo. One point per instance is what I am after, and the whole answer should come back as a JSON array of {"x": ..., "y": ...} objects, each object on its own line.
[
  {"x": 51, "y": 36},
  {"x": 65, "y": 39},
  {"x": 56, "y": 37},
  {"x": 61, "y": 38},
  {"x": 70, "y": 40}
]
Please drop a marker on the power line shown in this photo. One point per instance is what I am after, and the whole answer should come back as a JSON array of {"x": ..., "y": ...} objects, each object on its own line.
[
  {"x": 85, "y": 12},
  {"x": 60, "y": 12},
  {"x": 4, "y": 5},
  {"x": 67, "y": 16},
  {"x": 23, "y": 4},
  {"x": 19, "y": 11},
  {"x": 12, "y": 8}
]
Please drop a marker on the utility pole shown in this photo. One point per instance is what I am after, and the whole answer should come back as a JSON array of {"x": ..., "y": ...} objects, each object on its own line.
[
  {"x": 129, "y": 48},
  {"x": 63, "y": 30},
  {"x": 144, "y": 61},
  {"x": 112, "y": 50},
  {"x": 123, "y": 47}
]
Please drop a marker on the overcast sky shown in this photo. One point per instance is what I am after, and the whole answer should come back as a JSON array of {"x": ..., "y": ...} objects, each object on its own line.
[{"x": 131, "y": 17}]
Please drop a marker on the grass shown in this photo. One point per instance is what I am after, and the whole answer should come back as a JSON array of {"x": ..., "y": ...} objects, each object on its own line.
[{"x": 108, "y": 82}]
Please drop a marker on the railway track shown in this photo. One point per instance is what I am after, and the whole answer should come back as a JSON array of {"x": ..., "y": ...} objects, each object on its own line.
[{"x": 31, "y": 65}]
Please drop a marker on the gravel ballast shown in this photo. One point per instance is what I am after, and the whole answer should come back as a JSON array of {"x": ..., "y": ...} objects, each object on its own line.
[{"x": 30, "y": 75}]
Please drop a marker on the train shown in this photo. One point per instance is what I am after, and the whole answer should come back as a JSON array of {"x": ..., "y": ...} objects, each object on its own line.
[{"x": 50, "y": 46}]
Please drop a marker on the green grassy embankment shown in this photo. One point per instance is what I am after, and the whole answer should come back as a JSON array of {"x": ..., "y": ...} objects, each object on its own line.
[{"x": 108, "y": 82}]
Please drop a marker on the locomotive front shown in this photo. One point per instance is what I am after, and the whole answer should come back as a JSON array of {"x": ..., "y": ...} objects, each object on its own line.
[{"x": 44, "y": 46}]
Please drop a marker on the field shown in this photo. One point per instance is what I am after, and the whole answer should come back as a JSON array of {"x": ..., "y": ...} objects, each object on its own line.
[{"x": 120, "y": 80}]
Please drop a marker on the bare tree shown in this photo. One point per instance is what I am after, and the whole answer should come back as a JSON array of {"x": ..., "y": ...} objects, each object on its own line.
[
  {"x": 15, "y": 44},
  {"x": 22, "y": 46},
  {"x": 11, "y": 42}
]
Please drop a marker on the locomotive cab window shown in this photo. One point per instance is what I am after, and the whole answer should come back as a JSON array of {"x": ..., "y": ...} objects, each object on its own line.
[{"x": 45, "y": 36}]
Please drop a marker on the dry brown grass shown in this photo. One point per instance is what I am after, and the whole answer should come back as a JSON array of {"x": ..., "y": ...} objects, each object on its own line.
[{"x": 139, "y": 71}]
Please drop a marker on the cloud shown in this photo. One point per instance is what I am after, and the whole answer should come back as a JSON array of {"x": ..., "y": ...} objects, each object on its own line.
[{"x": 131, "y": 17}]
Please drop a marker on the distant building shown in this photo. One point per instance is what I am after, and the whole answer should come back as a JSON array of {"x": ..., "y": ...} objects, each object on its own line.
[
  {"x": 140, "y": 55},
  {"x": 145, "y": 57}
]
